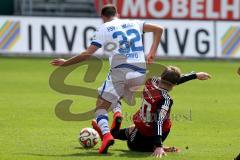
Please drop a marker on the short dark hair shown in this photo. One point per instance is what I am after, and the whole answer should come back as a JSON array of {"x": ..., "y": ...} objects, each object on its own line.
[
  {"x": 109, "y": 10},
  {"x": 171, "y": 75}
]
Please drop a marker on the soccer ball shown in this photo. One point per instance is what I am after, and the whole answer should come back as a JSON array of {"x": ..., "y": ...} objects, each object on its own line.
[{"x": 88, "y": 137}]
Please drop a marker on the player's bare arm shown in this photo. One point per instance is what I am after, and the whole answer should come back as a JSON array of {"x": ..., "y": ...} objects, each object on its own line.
[
  {"x": 76, "y": 59},
  {"x": 157, "y": 34}
]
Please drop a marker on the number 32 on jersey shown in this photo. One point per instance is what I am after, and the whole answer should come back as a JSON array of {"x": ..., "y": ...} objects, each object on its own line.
[{"x": 127, "y": 44}]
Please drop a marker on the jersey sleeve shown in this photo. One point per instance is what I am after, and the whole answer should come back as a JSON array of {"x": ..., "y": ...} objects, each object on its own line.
[
  {"x": 162, "y": 111},
  {"x": 187, "y": 77},
  {"x": 98, "y": 38}
]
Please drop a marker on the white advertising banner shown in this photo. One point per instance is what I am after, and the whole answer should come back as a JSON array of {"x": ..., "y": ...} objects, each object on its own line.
[
  {"x": 45, "y": 35},
  {"x": 51, "y": 35},
  {"x": 228, "y": 39},
  {"x": 185, "y": 38}
]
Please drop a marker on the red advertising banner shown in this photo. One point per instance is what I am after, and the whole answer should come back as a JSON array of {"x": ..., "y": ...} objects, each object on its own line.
[{"x": 177, "y": 9}]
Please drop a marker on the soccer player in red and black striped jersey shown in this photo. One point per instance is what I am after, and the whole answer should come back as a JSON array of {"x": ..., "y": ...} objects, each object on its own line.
[{"x": 152, "y": 121}]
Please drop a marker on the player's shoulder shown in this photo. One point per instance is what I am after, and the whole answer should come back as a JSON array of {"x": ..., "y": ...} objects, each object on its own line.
[
  {"x": 154, "y": 79},
  {"x": 136, "y": 22},
  {"x": 164, "y": 94},
  {"x": 125, "y": 21},
  {"x": 151, "y": 87},
  {"x": 131, "y": 20},
  {"x": 153, "y": 82},
  {"x": 100, "y": 28}
]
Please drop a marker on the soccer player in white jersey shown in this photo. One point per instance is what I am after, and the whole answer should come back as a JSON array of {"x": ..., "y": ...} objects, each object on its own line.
[{"x": 122, "y": 41}]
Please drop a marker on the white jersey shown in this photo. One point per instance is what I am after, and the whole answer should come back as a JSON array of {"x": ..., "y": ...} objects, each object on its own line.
[{"x": 122, "y": 41}]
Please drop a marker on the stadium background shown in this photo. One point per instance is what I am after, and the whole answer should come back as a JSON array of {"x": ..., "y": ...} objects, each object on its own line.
[{"x": 200, "y": 35}]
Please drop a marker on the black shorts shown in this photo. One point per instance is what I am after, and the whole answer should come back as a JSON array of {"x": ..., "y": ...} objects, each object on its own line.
[{"x": 140, "y": 143}]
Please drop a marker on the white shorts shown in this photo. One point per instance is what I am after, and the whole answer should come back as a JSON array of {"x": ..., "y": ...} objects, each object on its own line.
[{"x": 121, "y": 83}]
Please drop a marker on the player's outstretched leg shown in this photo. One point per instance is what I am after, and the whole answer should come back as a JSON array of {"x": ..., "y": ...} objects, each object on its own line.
[
  {"x": 116, "y": 125},
  {"x": 102, "y": 122}
]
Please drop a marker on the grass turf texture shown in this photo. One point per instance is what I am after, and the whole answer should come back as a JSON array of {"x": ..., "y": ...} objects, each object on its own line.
[{"x": 30, "y": 129}]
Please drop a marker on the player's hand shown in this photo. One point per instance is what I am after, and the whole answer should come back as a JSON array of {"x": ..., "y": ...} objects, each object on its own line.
[
  {"x": 58, "y": 62},
  {"x": 159, "y": 152},
  {"x": 203, "y": 76},
  {"x": 150, "y": 58}
]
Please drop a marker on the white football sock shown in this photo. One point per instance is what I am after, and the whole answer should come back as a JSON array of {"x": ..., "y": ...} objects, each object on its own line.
[{"x": 102, "y": 120}]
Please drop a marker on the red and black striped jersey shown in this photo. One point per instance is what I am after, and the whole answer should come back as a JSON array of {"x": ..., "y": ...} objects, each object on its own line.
[
  {"x": 155, "y": 109},
  {"x": 153, "y": 118}
]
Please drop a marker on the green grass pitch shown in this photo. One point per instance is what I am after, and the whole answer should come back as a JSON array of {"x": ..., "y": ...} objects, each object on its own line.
[{"x": 30, "y": 130}]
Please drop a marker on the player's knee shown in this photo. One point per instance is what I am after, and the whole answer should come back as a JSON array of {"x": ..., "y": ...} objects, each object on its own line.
[{"x": 102, "y": 104}]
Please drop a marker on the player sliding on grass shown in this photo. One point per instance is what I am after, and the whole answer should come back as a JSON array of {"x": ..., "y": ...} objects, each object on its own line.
[
  {"x": 152, "y": 121},
  {"x": 122, "y": 41}
]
